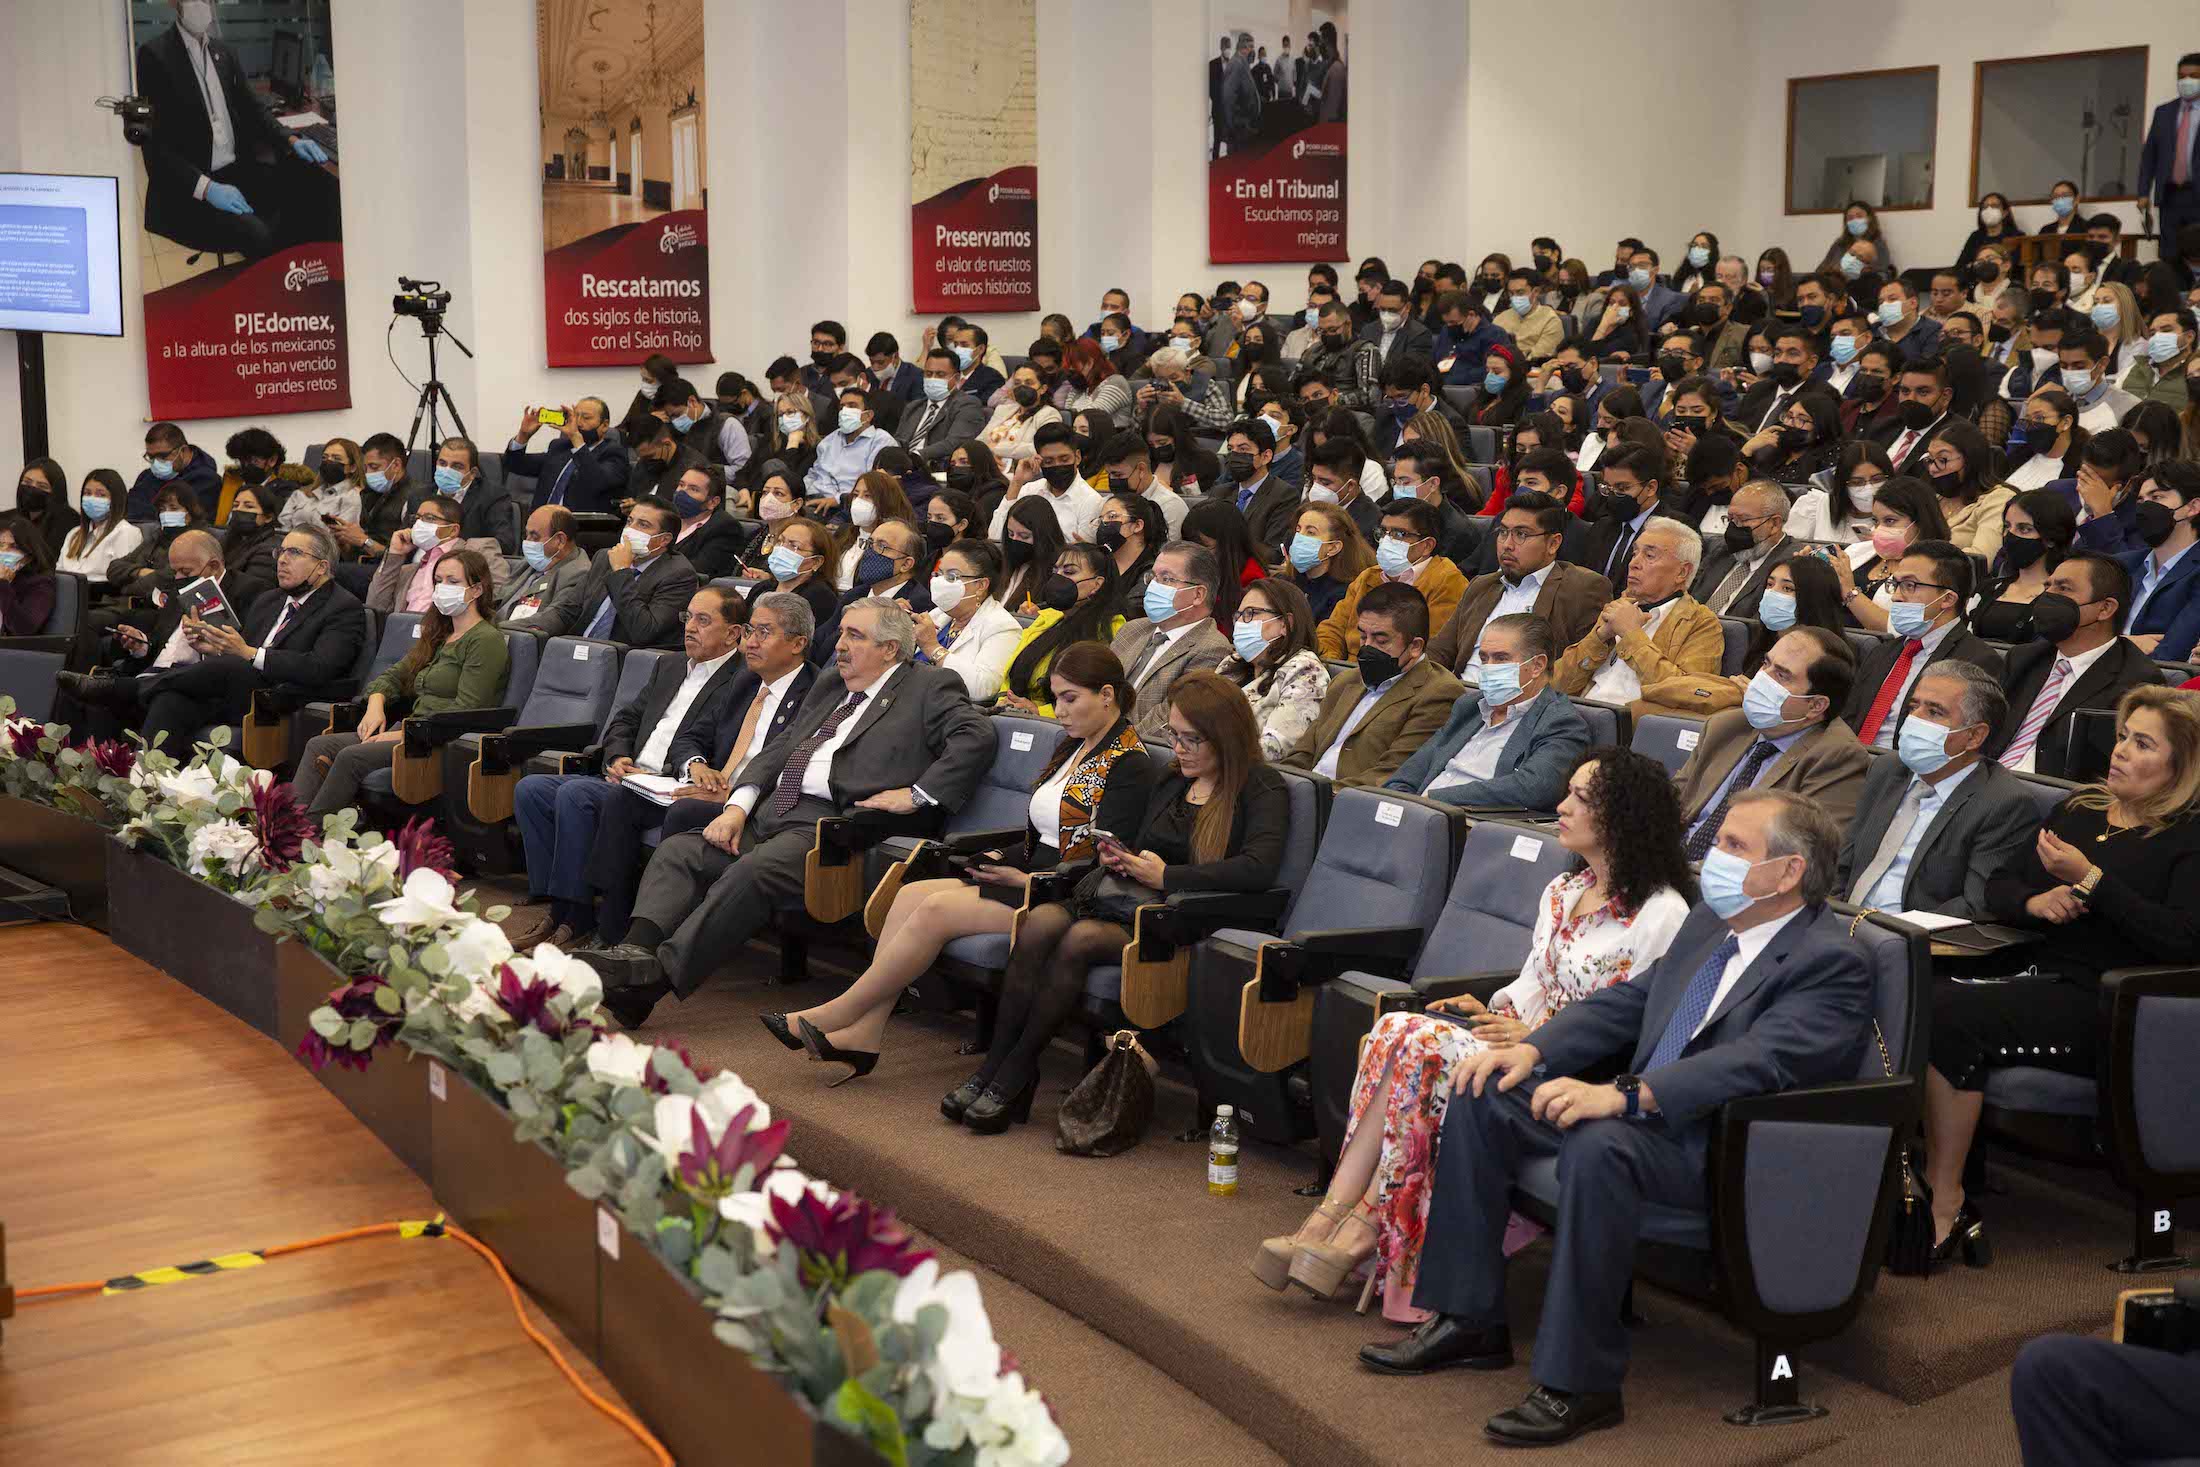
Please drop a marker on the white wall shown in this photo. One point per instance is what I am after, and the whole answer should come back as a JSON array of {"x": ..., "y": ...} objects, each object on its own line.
[{"x": 1474, "y": 128}]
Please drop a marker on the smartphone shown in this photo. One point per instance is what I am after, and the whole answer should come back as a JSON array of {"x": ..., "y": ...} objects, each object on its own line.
[
  {"x": 1106, "y": 838},
  {"x": 554, "y": 417}
]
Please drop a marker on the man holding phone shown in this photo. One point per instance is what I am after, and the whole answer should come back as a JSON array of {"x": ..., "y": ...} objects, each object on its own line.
[{"x": 584, "y": 468}]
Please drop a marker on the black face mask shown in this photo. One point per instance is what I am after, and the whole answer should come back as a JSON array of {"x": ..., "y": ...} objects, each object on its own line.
[
  {"x": 30, "y": 500},
  {"x": 1335, "y": 340},
  {"x": 2022, "y": 554},
  {"x": 961, "y": 476},
  {"x": 1985, "y": 274},
  {"x": 1785, "y": 374},
  {"x": 1917, "y": 416},
  {"x": 1737, "y": 538},
  {"x": 1703, "y": 313},
  {"x": 1792, "y": 439},
  {"x": 1026, "y": 396},
  {"x": 1616, "y": 506},
  {"x": 333, "y": 473},
  {"x": 1162, "y": 453},
  {"x": 1240, "y": 466},
  {"x": 1813, "y": 316},
  {"x": 2054, "y": 617},
  {"x": 591, "y": 435},
  {"x": 1058, "y": 476},
  {"x": 1572, "y": 378},
  {"x": 873, "y": 568},
  {"x": 2042, "y": 300},
  {"x": 938, "y": 536},
  {"x": 1491, "y": 283},
  {"x": 251, "y": 474},
  {"x": 1672, "y": 366},
  {"x": 2155, "y": 523},
  {"x": 1017, "y": 553},
  {"x": 1947, "y": 484},
  {"x": 823, "y": 359},
  {"x": 242, "y": 522},
  {"x": 1546, "y": 262},
  {"x": 1871, "y": 386},
  {"x": 1109, "y": 536},
  {"x": 1058, "y": 593},
  {"x": 1376, "y": 666},
  {"x": 1997, "y": 333}
]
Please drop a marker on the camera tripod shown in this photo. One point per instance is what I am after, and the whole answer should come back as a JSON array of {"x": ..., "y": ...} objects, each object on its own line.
[{"x": 434, "y": 396}]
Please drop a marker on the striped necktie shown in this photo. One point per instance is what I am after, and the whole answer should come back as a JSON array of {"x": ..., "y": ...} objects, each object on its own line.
[{"x": 789, "y": 788}]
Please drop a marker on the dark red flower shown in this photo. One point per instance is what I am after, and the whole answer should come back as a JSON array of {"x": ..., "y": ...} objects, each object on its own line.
[
  {"x": 419, "y": 846},
  {"x": 23, "y": 737},
  {"x": 112, "y": 757},
  {"x": 655, "y": 1083},
  {"x": 843, "y": 1239},
  {"x": 281, "y": 824},
  {"x": 352, "y": 1002},
  {"x": 708, "y": 1169},
  {"x": 528, "y": 1002}
]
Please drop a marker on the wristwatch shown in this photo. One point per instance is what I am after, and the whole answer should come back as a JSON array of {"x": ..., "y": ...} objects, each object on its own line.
[
  {"x": 2083, "y": 891},
  {"x": 1631, "y": 1087}
]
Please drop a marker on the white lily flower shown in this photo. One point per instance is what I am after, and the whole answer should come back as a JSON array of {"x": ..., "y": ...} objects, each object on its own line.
[
  {"x": 572, "y": 977},
  {"x": 223, "y": 846},
  {"x": 617, "y": 1059},
  {"x": 969, "y": 1359},
  {"x": 428, "y": 900},
  {"x": 477, "y": 950}
]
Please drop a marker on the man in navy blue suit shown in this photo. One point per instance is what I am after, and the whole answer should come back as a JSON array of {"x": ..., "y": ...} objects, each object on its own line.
[
  {"x": 2169, "y": 164},
  {"x": 1762, "y": 991}
]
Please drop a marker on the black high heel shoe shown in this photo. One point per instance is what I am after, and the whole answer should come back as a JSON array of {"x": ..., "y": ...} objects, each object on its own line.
[
  {"x": 993, "y": 1112},
  {"x": 859, "y": 1061},
  {"x": 776, "y": 1024},
  {"x": 961, "y": 1098},
  {"x": 1967, "y": 1236}
]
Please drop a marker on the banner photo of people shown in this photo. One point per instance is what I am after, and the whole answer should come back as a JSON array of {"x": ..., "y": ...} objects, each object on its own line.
[
  {"x": 974, "y": 155},
  {"x": 1276, "y": 97},
  {"x": 625, "y": 230},
  {"x": 242, "y": 255}
]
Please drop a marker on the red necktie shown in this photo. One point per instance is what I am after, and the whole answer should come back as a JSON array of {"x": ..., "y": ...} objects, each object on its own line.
[{"x": 1899, "y": 675}]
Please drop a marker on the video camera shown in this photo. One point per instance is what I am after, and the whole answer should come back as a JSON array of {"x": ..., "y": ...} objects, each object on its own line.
[
  {"x": 137, "y": 118},
  {"x": 425, "y": 300}
]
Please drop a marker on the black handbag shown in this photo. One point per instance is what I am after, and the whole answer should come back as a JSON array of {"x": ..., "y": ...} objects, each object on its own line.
[
  {"x": 1107, "y": 897},
  {"x": 1112, "y": 1106}
]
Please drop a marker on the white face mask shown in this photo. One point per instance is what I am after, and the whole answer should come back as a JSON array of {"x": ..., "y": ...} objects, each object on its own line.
[
  {"x": 426, "y": 533},
  {"x": 1249, "y": 309},
  {"x": 1390, "y": 319},
  {"x": 863, "y": 512},
  {"x": 198, "y": 16},
  {"x": 947, "y": 594},
  {"x": 637, "y": 540},
  {"x": 449, "y": 599}
]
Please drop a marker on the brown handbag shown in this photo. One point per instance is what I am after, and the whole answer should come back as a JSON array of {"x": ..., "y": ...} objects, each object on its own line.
[{"x": 1112, "y": 1106}]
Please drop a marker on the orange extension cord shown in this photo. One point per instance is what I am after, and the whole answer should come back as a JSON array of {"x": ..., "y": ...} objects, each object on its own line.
[{"x": 609, "y": 1408}]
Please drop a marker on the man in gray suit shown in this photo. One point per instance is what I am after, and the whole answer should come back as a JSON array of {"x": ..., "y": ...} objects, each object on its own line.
[
  {"x": 944, "y": 416},
  {"x": 1158, "y": 649},
  {"x": 1935, "y": 823},
  {"x": 1761, "y": 991},
  {"x": 1732, "y": 578},
  {"x": 877, "y": 733},
  {"x": 1512, "y": 744},
  {"x": 557, "y": 573}
]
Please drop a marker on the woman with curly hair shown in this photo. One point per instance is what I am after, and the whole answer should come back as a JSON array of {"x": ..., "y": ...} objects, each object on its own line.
[{"x": 1595, "y": 926}]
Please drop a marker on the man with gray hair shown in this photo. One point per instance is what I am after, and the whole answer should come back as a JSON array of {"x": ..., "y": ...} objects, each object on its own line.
[
  {"x": 1176, "y": 635},
  {"x": 203, "y": 660},
  {"x": 1655, "y": 630},
  {"x": 879, "y": 732},
  {"x": 1934, "y": 824},
  {"x": 1761, "y": 990},
  {"x": 1732, "y": 578}
]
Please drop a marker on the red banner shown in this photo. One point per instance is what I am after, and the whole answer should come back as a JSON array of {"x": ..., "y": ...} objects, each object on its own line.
[
  {"x": 975, "y": 247},
  {"x": 620, "y": 294},
  {"x": 1280, "y": 201},
  {"x": 250, "y": 340}
]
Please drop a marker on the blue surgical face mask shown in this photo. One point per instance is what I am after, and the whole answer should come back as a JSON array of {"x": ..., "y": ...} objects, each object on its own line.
[
  {"x": 789, "y": 422},
  {"x": 935, "y": 389},
  {"x": 1843, "y": 349},
  {"x": 1500, "y": 683},
  {"x": 1764, "y": 701},
  {"x": 785, "y": 564},
  {"x": 448, "y": 479},
  {"x": 1246, "y": 637},
  {"x": 2161, "y": 346},
  {"x": 96, "y": 507},
  {"x": 1698, "y": 256},
  {"x": 1393, "y": 557},
  {"x": 681, "y": 422},
  {"x": 173, "y": 519},
  {"x": 2188, "y": 87},
  {"x": 162, "y": 469},
  {"x": 850, "y": 420},
  {"x": 1922, "y": 745},
  {"x": 1493, "y": 382},
  {"x": 1313, "y": 318},
  {"x": 1851, "y": 266},
  {"x": 1776, "y": 609},
  {"x": 1111, "y": 343},
  {"x": 1521, "y": 304},
  {"x": 1306, "y": 552},
  {"x": 537, "y": 554},
  {"x": 11, "y": 559},
  {"x": 1906, "y": 619},
  {"x": 1160, "y": 601},
  {"x": 1856, "y": 227},
  {"x": 964, "y": 355},
  {"x": 2077, "y": 381},
  {"x": 1721, "y": 879},
  {"x": 1639, "y": 279},
  {"x": 377, "y": 480},
  {"x": 2105, "y": 314},
  {"x": 2062, "y": 206},
  {"x": 1890, "y": 313}
]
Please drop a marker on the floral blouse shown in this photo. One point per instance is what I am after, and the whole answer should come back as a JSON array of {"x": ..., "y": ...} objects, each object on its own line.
[
  {"x": 1571, "y": 958},
  {"x": 1286, "y": 701}
]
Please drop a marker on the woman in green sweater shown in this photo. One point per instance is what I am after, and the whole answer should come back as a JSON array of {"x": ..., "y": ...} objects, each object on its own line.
[{"x": 460, "y": 661}]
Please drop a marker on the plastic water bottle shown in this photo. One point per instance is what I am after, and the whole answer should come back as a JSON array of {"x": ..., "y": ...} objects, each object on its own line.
[{"x": 1222, "y": 1153}]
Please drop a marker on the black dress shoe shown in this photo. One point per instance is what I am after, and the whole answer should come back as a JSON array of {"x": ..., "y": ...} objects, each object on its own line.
[
  {"x": 90, "y": 687},
  {"x": 996, "y": 1110},
  {"x": 1443, "y": 1343},
  {"x": 860, "y": 1062},
  {"x": 624, "y": 966},
  {"x": 631, "y": 1005},
  {"x": 777, "y": 1024},
  {"x": 1968, "y": 1237},
  {"x": 1549, "y": 1417},
  {"x": 961, "y": 1098}
]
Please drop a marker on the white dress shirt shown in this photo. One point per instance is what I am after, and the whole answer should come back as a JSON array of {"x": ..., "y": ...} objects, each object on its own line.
[
  {"x": 1327, "y": 768},
  {"x": 1932, "y": 639},
  {"x": 818, "y": 774},
  {"x": 1477, "y": 757},
  {"x": 653, "y": 750},
  {"x": 772, "y": 694},
  {"x": 1748, "y": 947},
  {"x": 2018, "y": 717},
  {"x": 1157, "y": 651},
  {"x": 224, "y": 151},
  {"x": 1616, "y": 682},
  {"x": 1077, "y": 507},
  {"x": 1886, "y": 893}
]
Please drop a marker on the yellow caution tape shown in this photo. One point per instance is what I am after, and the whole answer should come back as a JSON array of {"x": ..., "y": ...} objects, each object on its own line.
[{"x": 179, "y": 1273}]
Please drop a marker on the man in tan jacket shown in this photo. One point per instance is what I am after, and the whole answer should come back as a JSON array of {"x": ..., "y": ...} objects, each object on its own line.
[
  {"x": 1404, "y": 555},
  {"x": 1652, "y": 632},
  {"x": 1529, "y": 577},
  {"x": 1537, "y": 331},
  {"x": 1377, "y": 715}
]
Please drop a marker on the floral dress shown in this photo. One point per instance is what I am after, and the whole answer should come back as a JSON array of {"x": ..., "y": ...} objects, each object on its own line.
[{"x": 1568, "y": 959}]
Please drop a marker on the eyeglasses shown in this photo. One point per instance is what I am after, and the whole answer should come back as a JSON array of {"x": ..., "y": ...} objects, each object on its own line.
[
  {"x": 292, "y": 552},
  {"x": 1401, "y": 537},
  {"x": 1247, "y": 615},
  {"x": 1513, "y": 534},
  {"x": 1905, "y": 586},
  {"x": 1185, "y": 741},
  {"x": 1173, "y": 583}
]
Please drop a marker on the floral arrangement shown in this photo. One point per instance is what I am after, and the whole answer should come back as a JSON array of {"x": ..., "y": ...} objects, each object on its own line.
[{"x": 815, "y": 1285}]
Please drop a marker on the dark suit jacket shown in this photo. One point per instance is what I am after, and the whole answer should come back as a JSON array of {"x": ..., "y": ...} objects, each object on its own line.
[
  {"x": 1825, "y": 766},
  {"x": 1570, "y": 599},
  {"x": 1548, "y": 735},
  {"x": 715, "y": 548},
  {"x": 980, "y": 383},
  {"x": 1872, "y": 671},
  {"x": 631, "y": 726},
  {"x": 1717, "y": 562},
  {"x": 1604, "y": 536},
  {"x": 961, "y": 416},
  {"x": 1799, "y": 1015},
  {"x": 1412, "y": 340},
  {"x": 1258, "y": 831},
  {"x": 1985, "y": 824},
  {"x": 1273, "y": 511},
  {"x": 318, "y": 650},
  {"x": 486, "y": 514},
  {"x": 597, "y": 481},
  {"x": 918, "y": 731},
  {"x": 2121, "y": 667},
  {"x": 714, "y": 723},
  {"x": 2173, "y": 611},
  {"x": 649, "y": 602},
  {"x": 2158, "y": 159},
  {"x": 181, "y": 149}
]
